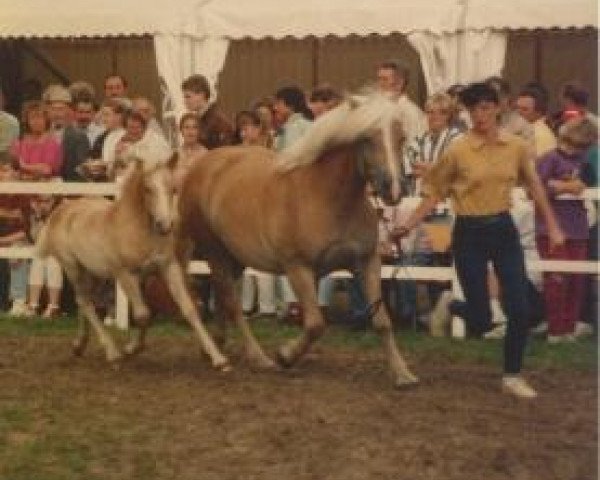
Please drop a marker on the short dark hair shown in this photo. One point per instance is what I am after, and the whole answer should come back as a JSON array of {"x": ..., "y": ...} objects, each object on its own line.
[
  {"x": 576, "y": 93},
  {"x": 294, "y": 98},
  {"x": 478, "y": 92},
  {"x": 198, "y": 84},
  {"x": 399, "y": 67},
  {"x": 539, "y": 94},
  {"x": 499, "y": 84}
]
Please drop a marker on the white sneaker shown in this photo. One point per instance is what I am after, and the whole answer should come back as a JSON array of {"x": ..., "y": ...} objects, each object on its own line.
[
  {"x": 20, "y": 308},
  {"x": 564, "y": 338},
  {"x": 440, "y": 316},
  {"x": 496, "y": 333},
  {"x": 583, "y": 329},
  {"x": 540, "y": 329},
  {"x": 517, "y": 386}
]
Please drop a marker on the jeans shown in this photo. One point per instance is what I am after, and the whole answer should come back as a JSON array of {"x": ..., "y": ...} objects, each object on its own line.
[
  {"x": 476, "y": 241},
  {"x": 19, "y": 275}
]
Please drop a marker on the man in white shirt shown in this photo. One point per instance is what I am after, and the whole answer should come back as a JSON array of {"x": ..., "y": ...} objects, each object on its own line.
[
  {"x": 392, "y": 79},
  {"x": 532, "y": 104}
]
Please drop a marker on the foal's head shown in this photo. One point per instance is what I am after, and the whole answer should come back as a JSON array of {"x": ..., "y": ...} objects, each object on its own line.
[{"x": 151, "y": 188}]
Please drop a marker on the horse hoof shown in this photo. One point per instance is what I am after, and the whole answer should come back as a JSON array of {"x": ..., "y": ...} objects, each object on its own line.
[
  {"x": 77, "y": 349},
  {"x": 406, "y": 382},
  {"x": 283, "y": 359},
  {"x": 224, "y": 367},
  {"x": 132, "y": 349}
]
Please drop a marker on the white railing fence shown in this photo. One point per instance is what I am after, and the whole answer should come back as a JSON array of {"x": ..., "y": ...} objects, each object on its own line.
[{"x": 432, "y": 274}]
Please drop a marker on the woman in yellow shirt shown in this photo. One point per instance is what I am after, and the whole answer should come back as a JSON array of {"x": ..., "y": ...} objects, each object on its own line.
[{"x": 478, "y": 172}]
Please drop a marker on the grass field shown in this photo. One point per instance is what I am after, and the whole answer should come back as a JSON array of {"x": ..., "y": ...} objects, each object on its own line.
[
  {"x": 581, "y": 355},
  {"x": 166, "y": 415}
]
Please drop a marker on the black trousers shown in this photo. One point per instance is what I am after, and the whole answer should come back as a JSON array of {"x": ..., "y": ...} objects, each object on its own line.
[{"x": 477, "y": 241}]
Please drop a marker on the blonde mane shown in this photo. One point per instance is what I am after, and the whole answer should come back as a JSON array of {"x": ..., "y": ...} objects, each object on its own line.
[{"x": 353, "y": 119}]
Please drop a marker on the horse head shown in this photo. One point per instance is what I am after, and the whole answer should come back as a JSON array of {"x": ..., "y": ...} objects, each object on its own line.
[
  {"x": 380, "y": 150},
  {"x": 372, "y": 124},
  {"x": 156, "y": 193}
]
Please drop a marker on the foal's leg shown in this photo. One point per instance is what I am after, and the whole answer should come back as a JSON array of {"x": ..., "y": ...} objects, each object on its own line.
[
  {"x": 224, "y": 280},
  {"x": 382, "y": 323},
  {"x": 304, "y": 285},
  {"x": 83, "y": 331},
  {"x": 175, "y": 280},
  {"x": 130, "y": 284},
  {"x": 82, "y": 284}
]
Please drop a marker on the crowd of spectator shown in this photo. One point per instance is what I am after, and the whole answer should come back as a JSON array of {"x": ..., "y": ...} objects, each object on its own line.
[{"x": 73, "y": 134}]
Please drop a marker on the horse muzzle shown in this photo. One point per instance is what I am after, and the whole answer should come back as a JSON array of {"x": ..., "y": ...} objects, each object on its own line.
[{"x": 162, "y": 227}]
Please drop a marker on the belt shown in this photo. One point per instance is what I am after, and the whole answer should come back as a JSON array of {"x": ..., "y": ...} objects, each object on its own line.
[{"x": 482, "y": 219}]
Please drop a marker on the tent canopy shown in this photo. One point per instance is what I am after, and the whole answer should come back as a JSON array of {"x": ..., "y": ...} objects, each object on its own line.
[
  {"x": 273, "y": 18},
  {"x": 457, "y": 40}
]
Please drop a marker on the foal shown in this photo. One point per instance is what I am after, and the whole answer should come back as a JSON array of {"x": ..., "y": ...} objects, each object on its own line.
[{"x": 122, "y": 239}]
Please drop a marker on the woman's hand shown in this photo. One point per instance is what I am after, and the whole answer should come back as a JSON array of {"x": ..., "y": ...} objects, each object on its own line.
[{"x": 556, "y": 237}]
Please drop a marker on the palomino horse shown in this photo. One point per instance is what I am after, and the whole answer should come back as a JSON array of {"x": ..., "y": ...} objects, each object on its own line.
[
  {"x": 304, "y": 213},
  {"x": 97, "y": 239}
]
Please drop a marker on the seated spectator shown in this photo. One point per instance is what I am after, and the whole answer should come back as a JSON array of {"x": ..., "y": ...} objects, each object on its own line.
[
  {"x": 74, "y": 143},
  {"x": 509, "y": 119},
  {"x": 559, "y": 171},
  {"x": 39, "y": 158},
  {"x": 85, "y": 111},
  {"x": 38, "y": 153},
  {"x": 147, "y": 110},
  {"x": 191, "y": 148},
  {"x": 460, "y": 120},
  {"x": 102, "y": 155},
  {"x": 293, "y": 117},
  {"x": 264, "y": 109},
  {"x": 574, "y": 99},
  {"x": 9, "y": 126},
  {"x": 250, "y": 130},
  {"x": 14, "y": 215},
  {"x": 215, "y": 128},
  {"x": 532, "y": 104},
  {"x": 115, "y": 87},
  {"x": 141, "y": 142},
  {"x": 9, "y": 132}
]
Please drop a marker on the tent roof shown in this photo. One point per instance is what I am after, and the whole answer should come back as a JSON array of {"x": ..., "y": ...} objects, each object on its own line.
[
  {"x": 274, "y": 18},
  {"x": 531, "y": 14},
  {"x": 88, "y": 18},
  {"x": 277, "y": 19}
]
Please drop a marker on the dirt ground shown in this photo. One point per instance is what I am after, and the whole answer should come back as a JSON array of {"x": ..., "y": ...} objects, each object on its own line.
[{"x": 167, "y": 415}]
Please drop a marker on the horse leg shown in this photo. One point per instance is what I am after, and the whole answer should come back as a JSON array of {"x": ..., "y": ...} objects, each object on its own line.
[
  {"x": 382, "y": 323},
  {"x": 130, "y": 284},
  {"x": 224, "y": 278},
  {"x": 83, "y": 295},
  {"x": 72, "y": 271},
  {"x": 175, "y": 280},
  {"x": 303, "y": 282}
]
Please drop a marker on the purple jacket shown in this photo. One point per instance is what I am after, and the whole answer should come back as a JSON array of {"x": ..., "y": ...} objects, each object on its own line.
[{"x": 570, "y": 214}]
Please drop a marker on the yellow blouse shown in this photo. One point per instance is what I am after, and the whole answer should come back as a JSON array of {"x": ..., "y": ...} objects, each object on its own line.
[{"x": 478, "y": 176}]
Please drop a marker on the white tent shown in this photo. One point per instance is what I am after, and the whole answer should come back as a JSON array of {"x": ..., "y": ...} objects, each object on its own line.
[{"x": 457, "y": 40}]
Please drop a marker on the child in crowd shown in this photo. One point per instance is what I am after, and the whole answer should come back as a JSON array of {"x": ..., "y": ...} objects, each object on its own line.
[{"x": 560, "y": 171}]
